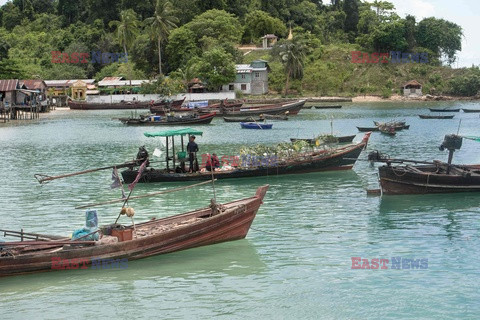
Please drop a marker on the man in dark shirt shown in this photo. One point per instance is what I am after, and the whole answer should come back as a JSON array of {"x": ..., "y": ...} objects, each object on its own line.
[{"x": 192, "y": 149}]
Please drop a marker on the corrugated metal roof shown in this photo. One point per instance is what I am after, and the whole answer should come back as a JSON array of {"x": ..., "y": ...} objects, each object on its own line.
[
  {"x": 121, "y": 83},
  {"x": 8, "y": 85},
  {"x": 66, "y": 83},
  {"x": 35, "y": 84}
]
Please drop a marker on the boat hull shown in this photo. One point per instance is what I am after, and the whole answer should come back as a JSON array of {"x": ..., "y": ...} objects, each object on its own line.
[
  {"x": 204, "y": 119},
  {"x": 343, "y": 159},
  {"x": 471, "y": 110},
  {"x": 255, "y": 125},
  {"x": 342, "y": 139},
  {"x": 435, "y": 117},
  {"x": 293, "y": 108},
  {"x": 443, "y": 110},
  {"x": 231, "y": 224},
  {"x": 398, "y": 180},
  {"x": 75, "y": 105}
]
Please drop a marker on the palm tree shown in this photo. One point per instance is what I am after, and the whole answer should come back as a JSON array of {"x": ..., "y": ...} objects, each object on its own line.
[
  {"x": 160, "y": 25},
  {"x": 127, "y": 28},
  {"x": 292, "y": 55}
]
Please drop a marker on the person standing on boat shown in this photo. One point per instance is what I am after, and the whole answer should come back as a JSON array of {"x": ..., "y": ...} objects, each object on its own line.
[{"x": 192, "y": 149}]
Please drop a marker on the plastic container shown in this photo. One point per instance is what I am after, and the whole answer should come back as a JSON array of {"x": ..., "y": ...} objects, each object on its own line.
[
  {"x": 181, "y": 155},
  {"x": 123, "y": 234}
]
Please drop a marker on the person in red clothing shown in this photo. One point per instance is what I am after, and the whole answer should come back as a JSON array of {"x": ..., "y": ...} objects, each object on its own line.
[{"x": 212, "y": 162}]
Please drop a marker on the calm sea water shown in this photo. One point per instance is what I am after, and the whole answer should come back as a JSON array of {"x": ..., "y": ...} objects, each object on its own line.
[{"x": 296, "y": 260}]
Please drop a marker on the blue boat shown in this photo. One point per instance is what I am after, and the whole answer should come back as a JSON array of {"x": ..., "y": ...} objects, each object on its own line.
[{"x": 256, "y": 125}]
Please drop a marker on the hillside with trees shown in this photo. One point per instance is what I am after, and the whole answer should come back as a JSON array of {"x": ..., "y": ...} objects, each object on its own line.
[{"x": 176, "y": 41}]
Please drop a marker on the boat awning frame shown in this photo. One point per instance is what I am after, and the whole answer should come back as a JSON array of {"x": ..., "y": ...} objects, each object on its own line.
[{"x": 171, "y": 133}]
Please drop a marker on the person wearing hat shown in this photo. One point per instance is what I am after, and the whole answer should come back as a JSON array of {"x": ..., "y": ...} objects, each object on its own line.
[{"x": 192, "y": 149}]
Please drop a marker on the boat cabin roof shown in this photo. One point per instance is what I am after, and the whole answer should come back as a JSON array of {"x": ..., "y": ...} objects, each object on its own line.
[{"x": 171, "y": 133}]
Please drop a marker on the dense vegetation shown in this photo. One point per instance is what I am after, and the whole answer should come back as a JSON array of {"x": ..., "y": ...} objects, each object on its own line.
[{"x": 185, "y": 39}]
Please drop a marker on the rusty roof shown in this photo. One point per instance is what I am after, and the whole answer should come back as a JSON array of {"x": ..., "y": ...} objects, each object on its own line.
[
  {"x": 412, "y": 83},
  {"x": 8, "y": 85},
  {"x": 36, "y": 84}
]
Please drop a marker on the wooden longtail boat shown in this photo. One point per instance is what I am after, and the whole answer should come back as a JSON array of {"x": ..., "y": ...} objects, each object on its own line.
[
  {"x": 471, "y": 110},
  {"x": 169, "y": 121},
  {"x": 292, "y": 107},
  {"x": 389, "y": 123},
  {"x": 423, "y": 116},
  {"x": 210, "y": 225},
  {"x": 167, "y": 106},
  {"x": 261, "y": 118},
  {"x": 429, "y": 177},
  {"x": 414, "y": 179},
  {"x": 341, "y": 158},
  {"x": 388, "y": 130},
  {"x": 341, "y": 139},
  {"x": 255, "y": 125},
  {"x": 328, "y": 107},
  {"x": 443, "y": 110},
  {"x": 368, "y": 129},
  {"x": 77, "y": 105}
]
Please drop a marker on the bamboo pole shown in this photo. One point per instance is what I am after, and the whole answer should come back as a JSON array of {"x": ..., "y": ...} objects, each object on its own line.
[
  {"x": 45, "y": 178},
  {"x": 142, "y": 196}
]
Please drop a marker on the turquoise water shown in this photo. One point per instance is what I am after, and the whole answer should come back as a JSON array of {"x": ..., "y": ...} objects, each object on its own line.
[{"x": 296, "y": 259}]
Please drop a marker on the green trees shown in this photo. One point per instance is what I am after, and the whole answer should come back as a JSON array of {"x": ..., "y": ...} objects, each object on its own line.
[
  {"x": 215, "y": 68},
  {"x": 466, "y": 85},
  {"x": 126, "y": 28},
  {"x": 442, "y": 37},
  {"x": 292, "y": 55},
  {"x": 350, "y": 7},
  {"x": 160, "y": 24},
  {"x": 259, "y": 23}
]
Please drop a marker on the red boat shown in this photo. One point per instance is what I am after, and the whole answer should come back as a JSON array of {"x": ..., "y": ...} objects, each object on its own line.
[
  {"x": 83, "y": 105},
  {"x": 214, "y": 224},
  {"x": 160, "y": 108}
]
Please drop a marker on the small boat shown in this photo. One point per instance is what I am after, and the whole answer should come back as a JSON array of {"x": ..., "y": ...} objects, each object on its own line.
[
  {"x": 471, "y": 110},
  {"x": 420, "y": 177},
  {"x": 328, "y": 107},
  {"x": 325, "y": 159},
  {"x": 423, "y": 116},
  {"x": 261, "y": 118},
  {"x": 255, "y": 125},
  {"x": 394, "y": 123},
  {"x": 367, "y": 129},
  {"x": 443, "y": 110},
  {"x": 167, "y": 106},
  {"x": 83, "y": 105},
  {"x": 207, "y": 226},
  {"x": 169, "y": 120},
  {"x": 388, "y": 130},
  {"x": 341, "y": 139},
  {"x": 278, "y": 109}
]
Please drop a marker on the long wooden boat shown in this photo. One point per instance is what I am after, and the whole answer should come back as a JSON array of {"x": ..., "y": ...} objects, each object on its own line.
[
  {"x": 443, "y": 110},
  {"x": 367, "y": 129},
  {"x": 261, "y": 118},
  {"x": 82, "y": 105},
  {"x": 169, "y": 121},
  {"x": 281, "y": 109},
  {"x": 341, "y": 158},
  {"x": 471, "y": 110},
  {"x": 395, "y": 123},
  {"x": 415, "y": 179},
  {"x": 255, "y": 125},
  {"x": 166, "y": 106},
  {"x": 329, "y": 107},
  {"x": 210, "y": 225},
  {"x": 341, "y": 139},
  {"x": 424, "y": 116},
  {"x": 388, "y": 130}
]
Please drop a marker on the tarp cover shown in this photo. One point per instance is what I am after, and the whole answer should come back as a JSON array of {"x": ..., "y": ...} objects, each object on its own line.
[
  {"x": 170, "y": 133},
  {"x": 91, "y": 225}
]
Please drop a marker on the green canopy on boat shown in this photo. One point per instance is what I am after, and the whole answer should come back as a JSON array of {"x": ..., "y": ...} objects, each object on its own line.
[{"x": 171, "y": 133}]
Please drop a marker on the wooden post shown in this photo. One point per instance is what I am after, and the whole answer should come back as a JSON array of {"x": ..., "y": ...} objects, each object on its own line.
[
  {"x": 167, "y": 155},
  {"x": 173, "y": 152}
]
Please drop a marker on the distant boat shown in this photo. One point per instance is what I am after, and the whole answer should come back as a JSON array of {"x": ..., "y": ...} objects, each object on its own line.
[
  {"x": 367, "y": 129},
  {"x": 250, "y": 119},
  {"x": 328, "y": 107},
  {"x": 423, "y": 116},
  {"x": 471, "y": 110},
  {"x": 341, "y": 139},
  {"x": 389, "y": 130},
  {"x": 255, "y": 125},
  {"x": 169, "y": 120},
  {"x": 444, "y": 110}
]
